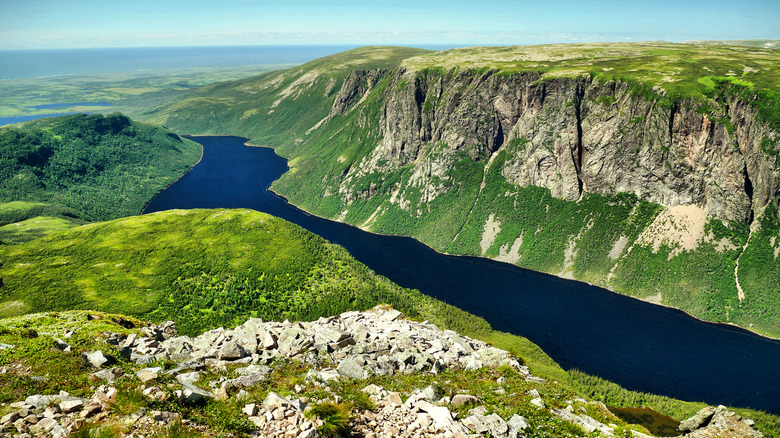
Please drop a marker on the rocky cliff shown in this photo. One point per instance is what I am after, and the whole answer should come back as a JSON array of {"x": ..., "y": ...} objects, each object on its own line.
[
  {"x": 577, "y": 135},
  {"x": 455, "y": 157}
]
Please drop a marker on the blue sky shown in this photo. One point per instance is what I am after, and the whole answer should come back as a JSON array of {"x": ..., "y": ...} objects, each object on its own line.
[{"x": 34, "y": 24}]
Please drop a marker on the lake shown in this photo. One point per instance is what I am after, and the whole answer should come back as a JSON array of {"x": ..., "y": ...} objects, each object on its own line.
[
  {"x": 639, "y": 345},
  {"x": 18, "y": 119}
]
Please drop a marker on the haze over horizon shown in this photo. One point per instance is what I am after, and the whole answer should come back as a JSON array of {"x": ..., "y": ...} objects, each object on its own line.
[{"x": 48, "y": 24}]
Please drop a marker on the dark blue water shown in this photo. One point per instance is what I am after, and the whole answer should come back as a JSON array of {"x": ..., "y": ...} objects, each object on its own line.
[
  {"x": 65, "y": 105},
  {"x": 18, "y": 119},
  {"x": 636, "y": 344}
]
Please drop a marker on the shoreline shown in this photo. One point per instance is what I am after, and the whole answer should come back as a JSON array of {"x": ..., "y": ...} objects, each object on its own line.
[
  {"x": 143, "y": 210},
  {"x": 552, "y": 276}
]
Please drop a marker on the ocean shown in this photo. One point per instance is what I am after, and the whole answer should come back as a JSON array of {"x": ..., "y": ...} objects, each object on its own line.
[{"x": 21, "y": 64}]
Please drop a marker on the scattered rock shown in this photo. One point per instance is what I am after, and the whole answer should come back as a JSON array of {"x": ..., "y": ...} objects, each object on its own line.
[
  {"x": 61, "y": 345},
  {"x": 231, "y": 351},
  {"x": 463, "y": 399},
  {"x": 109, "y": 375},
  {"x": 148, "y": 374},
  {"x": 191, "y": 394},
  {"x": 698, "y": 420},
  {"x": 96, "y": 359},
  {"x": 711, "y": 422}
]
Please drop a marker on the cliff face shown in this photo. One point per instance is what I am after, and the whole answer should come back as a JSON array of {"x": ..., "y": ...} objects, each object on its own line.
[
  {"x": 457, "y": 159},
  {"x": 575, "y": 135}
]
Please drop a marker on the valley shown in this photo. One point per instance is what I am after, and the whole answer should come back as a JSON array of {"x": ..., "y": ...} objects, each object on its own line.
[
  {"x": 576, "y": 157},
  {"x": 647, "y": 169}
]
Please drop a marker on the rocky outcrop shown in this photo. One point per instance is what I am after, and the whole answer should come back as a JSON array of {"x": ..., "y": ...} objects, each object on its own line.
[
  {"x": 354, "y": 88},
  {"x": 56, "y": 415},
  {"x": 359, "y": 344},
  {"x": 712, "y": 422},
  {"x": 234, "y": 366}
]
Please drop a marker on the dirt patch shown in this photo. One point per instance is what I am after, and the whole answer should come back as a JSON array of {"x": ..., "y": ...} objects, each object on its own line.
[
  {"x": 307, "y": 79},
  {"x": 681, "y": 228},
  {"x": 618, "y": 247},
  {"x": 367, "y": 224},
  {"x": 510, "y": 254},
  {"x": 655, "y": 299},
  {"x": 722, "y": 245},
  {"x": 489, "y": 233}
]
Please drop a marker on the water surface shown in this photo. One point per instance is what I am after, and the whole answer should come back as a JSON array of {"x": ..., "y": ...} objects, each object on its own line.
[
  {"x": 18, "y": 119},
  {"x": 636, "y": 344},
  {"x": 66, "y": 105}
]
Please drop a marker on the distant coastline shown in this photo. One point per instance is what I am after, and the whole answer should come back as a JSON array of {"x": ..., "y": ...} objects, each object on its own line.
[{"x": 29, "y": 64}]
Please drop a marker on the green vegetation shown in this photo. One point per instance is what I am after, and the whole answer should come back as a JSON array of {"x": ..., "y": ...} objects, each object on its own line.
[
  {"x": 24, "y": 221},
  {"x": 334, "y": 416},
  {"x": 34, "y": 351},
  {"x": 276, "y": 107},
  {"x": 211, "y": 268},
  {"x": 57, "y": 173},
  {"x": 764, "y": 44},
  {"x": 613, "y": 395}
]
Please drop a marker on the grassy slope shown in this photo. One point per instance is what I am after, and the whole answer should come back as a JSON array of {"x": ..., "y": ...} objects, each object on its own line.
[
  {"x": 211, "y": 268},
  {"x": 67, "y": 170},
  {"x": 24, "y": 221},
  {"x": 256, "y": 108}
]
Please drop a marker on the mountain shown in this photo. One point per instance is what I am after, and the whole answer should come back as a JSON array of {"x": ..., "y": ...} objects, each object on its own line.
[
  {"x": 650, "y": 169},
  {"x": 60, "y": 172}
]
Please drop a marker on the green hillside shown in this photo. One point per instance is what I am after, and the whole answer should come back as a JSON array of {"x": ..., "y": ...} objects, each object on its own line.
[
  {"x": 101, "y": 167},
  {"x": 65, "y": 171},
  {"x": 202, "y": 268},
  {"x": 274, "y": 107},
  {"x": 211, "y": 268}
]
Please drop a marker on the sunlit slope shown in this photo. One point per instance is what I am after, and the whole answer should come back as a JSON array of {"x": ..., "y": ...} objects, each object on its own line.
[
  {"x": 83, "y": 168},
  {"x": 274, "y": 106},
  {"x": 203, "y": 268}
]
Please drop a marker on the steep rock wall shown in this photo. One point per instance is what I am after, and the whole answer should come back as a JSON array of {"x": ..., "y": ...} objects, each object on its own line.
[{"x": 575, "y": 135}]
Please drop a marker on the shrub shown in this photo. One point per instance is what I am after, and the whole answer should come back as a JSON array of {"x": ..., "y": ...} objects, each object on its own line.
[{"x": 334, "y": 416}]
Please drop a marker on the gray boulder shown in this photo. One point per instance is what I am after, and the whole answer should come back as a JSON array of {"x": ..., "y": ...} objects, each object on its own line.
[
  {"x": 232, "y": 350},
  {"x": 463, "y": 399},
  {"x": 698, "y": 420},
  {"x": 147, "y": 374},
  {"x": 191, "y": 394},
  {"x": 96, "y": 359},
  {"x": 352, "y": 367}
]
